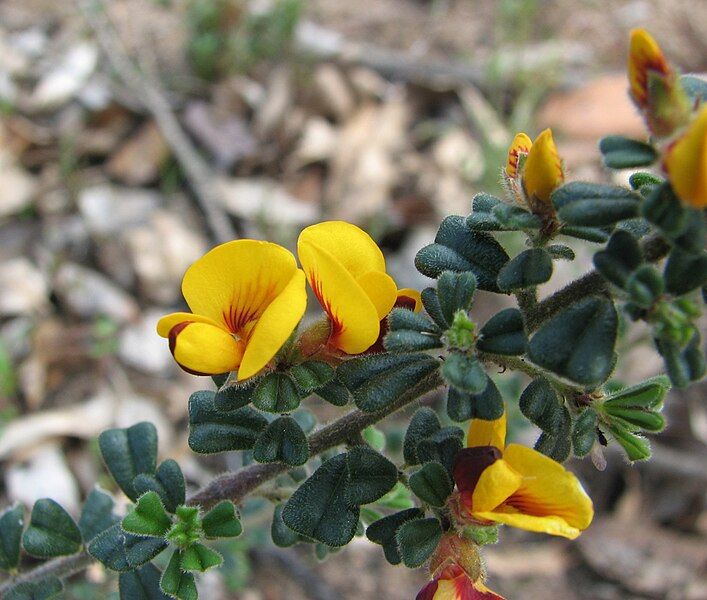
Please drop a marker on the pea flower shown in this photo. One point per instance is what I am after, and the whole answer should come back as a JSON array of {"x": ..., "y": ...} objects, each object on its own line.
[
  {"x": 517, "y": 486},
  {"x": 246, "y": 298},
  {"x": 533, "y": 170},
  {"x": 686, "y": 163},
  {"x": 346, "y": 270},
  {"x": 454, "y": 584}
]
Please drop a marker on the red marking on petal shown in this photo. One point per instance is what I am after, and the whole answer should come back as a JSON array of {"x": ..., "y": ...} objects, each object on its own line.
[
  {"x": 428, "y": 592},
  {"x": 173, "y": 333},
  {"x": 469, "y": 463}
]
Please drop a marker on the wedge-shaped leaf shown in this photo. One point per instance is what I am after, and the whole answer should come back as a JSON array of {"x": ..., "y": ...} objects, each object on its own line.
[
  {"x": 584, "y": 432},
  {"x": 578, "y": 342},
  {"x": 424, "y": 424},
  {"x": 683, "y": 364},
  {"x": 637, "y": 419},
  {"x": 221, "y": 521},
  {"x": 177, "y": 583},
  {"x": 664, "y": 209},
  {"x": 462, "y": 406},
  {"x": 431, "y": 302},
  {"x": 121, "y": 551},
  {"x": 370, "y": 475},
  {"x": 514, "y": 217},
  {"x": 530, "y": 268},
  {"x": 168, "y": 482},
  {"x": 148, "y": 517},
  {"x": 97, "y": 514},
  {"x": 235, "y": 396},
  {"x": 49, "y": 587},
  {"x": 482, "y": 217},
  {"x": 417, "y": 540},
  {"x": 645, "y": 285},
  {"x": 621, "y": 257},
  {"x": 319, "y": 509},
  {"x": 51, "y": 531},
  {"x": 648, "y": 394},
  {"x": 282, "y": 441},
  {"x": 635, "y": 446},
  {"x": 590, "y": 234},
  {"x": 441, "y": 447},
  {"x": 405, "y": 340},
  {"x": 405, "y": 319},
  {"x": 141, "y": 584},
  {"x": 643, "y": 181},
  {"x": 685, "y": 271},
  {"x": 623, "y": 153},
  {"x": 200, "y": 558},
  {"x": 383, "y": 532},
  {"x": 335, "y": 393},
  {"x": 12, "y": 521},
  {"x": 464, "y": 372},
  {"x": 560, "y": 252},
  {"x": 277, "y": 393},
  {"x": 455, "y": 292},
  {"x": 457, "y": 248},
  {"x": 541, "y": 405},
  {"x": 310, "y": 375},
  {"x": 432, "y": 484},
  {"x": 595, "y": 205},
  {"x": 377, "y": 381},
  {"x": 557, "y": 445},
  {"x": 212, "y": 430},
  {"x": 693, "y": 238},
  {"x": 282, "y": 535},
  {"x": 129, "y": 452},
  {"x": 503, "y": 333}
]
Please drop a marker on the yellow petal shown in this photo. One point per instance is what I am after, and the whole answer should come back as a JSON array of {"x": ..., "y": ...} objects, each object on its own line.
[
  {"x": 521, "y": 145},
  {"x": 550, "y": 525},
  {"x": 165, "y": 324},
  {"x": 274, "y": 327},
  {"x": 547, "y": 488},
  {"x": 487, "y": 433},
  {"x": 409, "y": 298},
  {"x": 380, "y": 289},
  {"x": 235, "y": 282},
  {"x": 644, "y": 55},
  {"x": 496, "y": 484},
  {"x": 686, "y": 163},
  {"x": 543, "y": 168},
  {"x": 354, "y": 317},
  {"x": 204, "y": 349}
]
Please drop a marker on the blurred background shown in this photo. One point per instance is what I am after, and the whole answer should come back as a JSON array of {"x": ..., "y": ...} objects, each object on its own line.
[{"x": 137, "y": 134}]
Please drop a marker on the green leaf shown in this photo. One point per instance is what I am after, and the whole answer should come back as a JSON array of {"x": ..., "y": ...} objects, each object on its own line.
[
  {"x": 334, "y": 393},
  {"x": 310, "y": 375},
  {"x": 664, "y": 209},
  {"x": 541, "y": 405},
  {"x": 148, "y": 517},
  {"x": 645, "y": 286},
  {"x": 462, "y": 406},
  {"x": 530, "y": 268},
  {"x": 647, "y": 395},
  {"x": 503, "y": 333},
  {"x": 96, "y": 515},
  {"x": 168, "y": 482},
  {"x": 424, "y": 423},
  {"x": 221, "y": 521},
  {"x": 578, "y": 342},
  {"x": 378, "y": 380},
  {"x": 621, "y": 257},
  {"x": 590, "y": 234},
  {"x": 212, "y": 430},
  {"x": 129, "y": 452},
  {"x": 595, "y": 205},
  {"x": 46, "y": 588},
  {"x": 482, "y": 217},
  {"x": 319, "y": 509},
  {"x": 11, "y": 523},
  {"x": 455, "y": 292},
  {"x": 692, "y": 238},
  {"x": 406, "y": 319},
  {"x": 644, "y": 180},
  {"x": 141, "y": 584},
  {"x": 383, "y": 532},
  {"x": 282, "y": 535},
  {"x": 556, "y": 445},
  {"x": 282, "y": 441},
  {"x": 411, "y": 332},
  {"x": 514, "y": 217},
  {"x": 417, "y": 540},
  {"x": 277, "y": 393},
  {"x": 121, "y": 551},
  {"x": 175, "y": 582},
  {"x": 441, "y": 447},
  {"x": 457, "y": 248},
  {"x": 682, "y": 364},
  {"x": 635, "y": 446},
  {"x": 430, "y": 300},
  {"x": 233, "y": 397},
  {"x": 638, "y": 419},
  {"x": 560, "y": 252},
  {"x": 685, "y": 272},
  {"x": 432, "y": 484},
  {"x": 187, "y": 527},
  {"x": 584, "y": 432},
  {"x": 198, "y": 557},
  {"x": 51, "y": 531},
  {"x": 464, "y": 372},
  {"x": 369, "y": 476},
  {"x": 622, "y": 153}
]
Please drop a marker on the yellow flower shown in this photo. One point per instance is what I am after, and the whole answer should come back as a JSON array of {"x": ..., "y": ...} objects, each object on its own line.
[
  {"x": 246, "y": 298},
  {"x": 542, "y": 172},
  {"x": 518, "y": 486},
  {"x": 644, "y": 57},
  {"x": 346, "y": 271},
  {"x": 454, "y": 584},
  {"x": 518, "y": 151},
  {"x": 686, "y": 163}
]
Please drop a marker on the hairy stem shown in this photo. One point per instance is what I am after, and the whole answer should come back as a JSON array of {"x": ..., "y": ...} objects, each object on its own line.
[{"x": 57, "y": 567}]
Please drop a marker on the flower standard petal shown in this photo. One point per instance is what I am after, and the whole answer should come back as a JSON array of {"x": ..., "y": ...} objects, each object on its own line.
[
  {"x": 274, "y": 326},
  {"x": 543, "y": 168},
  {"x": 644, "y": 56},
  {"x": 380, "y": 289},
  {"x": 204, "y": 349},
  {"x": 487, "y": 433},
  {"x": 686, "y": 163}
]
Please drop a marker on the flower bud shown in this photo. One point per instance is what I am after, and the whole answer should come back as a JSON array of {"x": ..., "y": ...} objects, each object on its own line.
[{"x": 686, "y": 163}]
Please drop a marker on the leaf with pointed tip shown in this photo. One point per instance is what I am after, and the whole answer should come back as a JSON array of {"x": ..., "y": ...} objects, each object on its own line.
[{"x": 51, "y": 531}]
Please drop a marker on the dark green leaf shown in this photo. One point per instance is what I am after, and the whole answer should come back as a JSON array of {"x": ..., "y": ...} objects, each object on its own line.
[
  {"x": 233, "y": 397},
  {"x": 282, "y": 535},
  {"x": 455, "y": 292},
  {"x": 43, "y": 589},
  {"x": 140, "y": 550},
  {"x": 541, "y": 405},
  {"x": 584, "y": 432},
  {"x": 643, "y": 180},
  {"x": 221, "y": 521},
  {"x": 621, "y": 257},
  {"x": 430, "y": 301},
  {"x": 369, "y": 476},
  {"x": 462, "y": 406},
  {"x": 645, "y": 286},
  {"x": 168, "y": 482},
  {"x": 212, "y": 430},
  {"x": 311, "y": 375},
  {"x": 148, "y": 517},
  {"x": 595, "y": 205},
  {"x": 282, "y": 441},
  {"x": 560, "y": 252},
  {"x": 622, "y": 153},
  {"x": 482, "y": 217},
  {"x": 141, "y": 584},
  {"x": 405, "y": 319},
  {"x": 557, "y": 445},
  {"x": 198, "y": 557},
  {"x": 441, "y": 450},
  {"x": 514, "y": 217},
  {"x": 664, "y": 209},
  {"x": 51, "y": 531},
  {"x": 107, "y": 547},
  {"x": 682, "y": 364},
  {"x": 96, "y": 515},
  {"x": 417, "y": 540},
  {"x": 637, "y": 419},
  {"x": 503, "y": 333},
  {"x": 129, "y": 452},
  {"x": 277, "y": 393},
  {"x": 405, "y": 340},
  {"x": 383, "y": 532},
  {"x": 530, "y": 268},
  {"x": 578, "y": 342},
  {"x": 432, "y": 484},
  {"x": 11, "y": 523},
  {"x": 590, "y": 234},
  {"x": 685, "y": 272},
  {"x": 457, "y": 248},
  {"x": 424, "y": 423},
  {"x": 175, "y": 582},
  {"x": 334, "y": 393},
  {"x": 464, "y": 372},
  {"x": 692, "y": 238}
]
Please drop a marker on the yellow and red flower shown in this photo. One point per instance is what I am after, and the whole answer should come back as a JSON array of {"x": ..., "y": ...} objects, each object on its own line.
[
  {"x": 246, "y": 298},
  {"x": 517, "y": 486},
  {"x": 454, "y": 584},
  {"x": 685, "y": 162}
]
